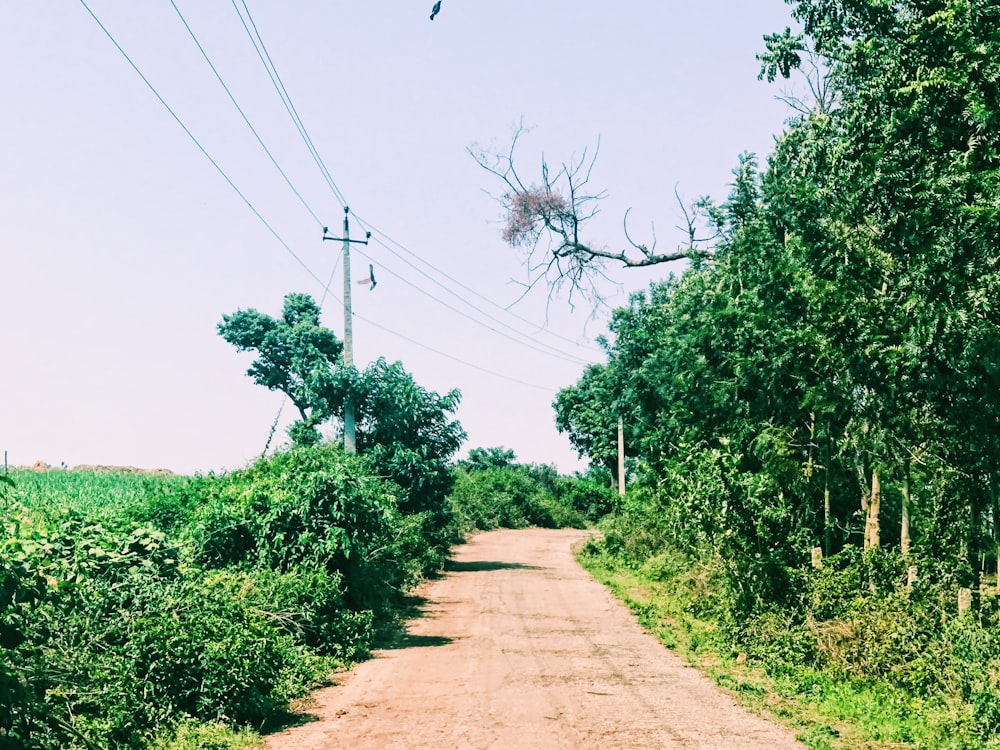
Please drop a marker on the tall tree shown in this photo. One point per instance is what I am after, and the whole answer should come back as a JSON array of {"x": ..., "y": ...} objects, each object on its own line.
[{"x": 295, "y": 355}]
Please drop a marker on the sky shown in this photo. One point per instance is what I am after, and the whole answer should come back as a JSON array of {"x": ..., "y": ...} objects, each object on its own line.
[{"x": 122, "y": 245}]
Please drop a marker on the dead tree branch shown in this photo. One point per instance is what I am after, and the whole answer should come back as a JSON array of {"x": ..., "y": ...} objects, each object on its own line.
[{"x": 546, "y": 220}]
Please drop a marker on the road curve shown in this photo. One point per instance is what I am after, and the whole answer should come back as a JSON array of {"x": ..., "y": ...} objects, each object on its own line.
[{"x": 521, "y": 648}]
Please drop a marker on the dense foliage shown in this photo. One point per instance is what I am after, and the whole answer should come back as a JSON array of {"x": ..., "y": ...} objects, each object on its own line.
[
  {"x": 295, "y": 355},
  {"x": 136, "y": 608},
  {"x": 829, "y": 378},
  {"x": 493, "y": 491},
  {"x": 215, "y": 599},
  {"x": 158, "y": 611}
]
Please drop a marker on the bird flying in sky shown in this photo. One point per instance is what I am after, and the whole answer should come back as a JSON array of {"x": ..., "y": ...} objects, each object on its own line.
[{"x": 436, "y": 9}]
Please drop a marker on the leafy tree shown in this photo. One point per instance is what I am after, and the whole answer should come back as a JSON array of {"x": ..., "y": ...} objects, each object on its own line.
[
  {"x": 407, "y": 432},
  {"x": 295, "y": 355},
  {"x": 480, "y": 459},
  {"x": 897, "y": 220},
  {"x": 397, "y": 420},
  {"x": 587, "y": 413},
  {"x": 841, "y": 339}
]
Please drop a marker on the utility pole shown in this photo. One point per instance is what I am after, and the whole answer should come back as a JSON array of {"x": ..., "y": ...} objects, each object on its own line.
[
  {"x": 621, "y": 457},
  {"x": 350, "y": 444}
]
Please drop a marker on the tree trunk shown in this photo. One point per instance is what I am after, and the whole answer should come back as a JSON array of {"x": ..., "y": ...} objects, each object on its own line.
[
  {"x": 904, "y": 526},
  {"x": 970, "y": 545},
  {"x": 996, "y": 525},
  {"x": 872, "y": 536},
  {"x": 827, "y": 535},
  {"x": 865, "y": 504},
  {"x": 827, "y": 528}
]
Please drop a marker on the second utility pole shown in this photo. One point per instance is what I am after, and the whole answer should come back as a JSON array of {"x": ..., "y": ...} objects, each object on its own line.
[
  {"x": 621, "y": 457},
  {"x": 350, "y": 443}
]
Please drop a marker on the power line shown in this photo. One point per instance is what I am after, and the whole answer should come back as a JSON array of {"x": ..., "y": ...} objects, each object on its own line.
[
  {"x": 290, "y": 108},
  {"x": 239, "y": 109},
  {"x": 232, "y": 98},
  {"x": 454, "y": 358},
  {"x": 377, "y": 232},
  {"x": 551, "y": 352},
  {"x": 197, "y": 143},
  {"x": 293, "y": 113},
  {"x": 271, "y": 229},
  {"x": 278, "y": 83},
  {"x": 286, "y": 99}
]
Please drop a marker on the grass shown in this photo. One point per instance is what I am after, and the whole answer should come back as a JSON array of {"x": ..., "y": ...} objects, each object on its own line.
[
  {"x": 195, "y": 736},
  {"x": 87, "y": 491},
  {"x": 676, "y": 605}
]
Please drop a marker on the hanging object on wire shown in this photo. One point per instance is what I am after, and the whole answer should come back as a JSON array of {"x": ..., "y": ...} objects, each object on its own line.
[{"x": 370, "y": 279}]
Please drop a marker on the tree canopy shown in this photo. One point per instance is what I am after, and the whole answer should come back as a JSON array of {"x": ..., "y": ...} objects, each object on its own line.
[
  {"x": 404, "y": 431},
  {"x": 828, "y": 375},
  {"x": 295, "y": 354}
]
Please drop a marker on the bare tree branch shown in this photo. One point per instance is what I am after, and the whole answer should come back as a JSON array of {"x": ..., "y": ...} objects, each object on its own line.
[
  {"x": 547, "y": 219},
  {"x": 820, "y": 97}
]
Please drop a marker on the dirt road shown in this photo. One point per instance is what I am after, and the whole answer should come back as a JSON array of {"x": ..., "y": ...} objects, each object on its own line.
[{"x": 520, "y": 648}]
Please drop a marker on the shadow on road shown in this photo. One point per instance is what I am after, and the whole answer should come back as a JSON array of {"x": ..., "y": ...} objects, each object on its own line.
[
  {"x": 478, "y": 566},
  {"x": 409, "y": 640}
]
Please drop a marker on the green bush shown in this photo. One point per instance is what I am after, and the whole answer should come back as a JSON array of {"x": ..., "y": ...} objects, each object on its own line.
[
  {"x": 108, "y": 656},
  {"x": 170, "y": 506},
  {"x": 216, "y": 599},
  {"x": 303, "y": 603},
  {"x": 193, "y": 735},
  {"x": 498, "y": 498},
  {"x": 24, "y": 584},
  {"x": 308, "y": 508},
  {"x": 592, "y": 499}
]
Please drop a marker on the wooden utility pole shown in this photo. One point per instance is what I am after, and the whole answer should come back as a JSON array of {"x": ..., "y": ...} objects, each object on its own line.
[
  {"x": 350, "y": 443},
  {"x": 621, "y": 457}
]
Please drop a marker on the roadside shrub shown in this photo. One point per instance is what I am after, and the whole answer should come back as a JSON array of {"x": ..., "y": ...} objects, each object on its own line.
[
  {"x": 191, "y": 735},
  {"x": 562, "y": 516},
  {"x": 212, "y": 601},
  {"x": 169, "y": 507},
  {"x": 776, "y": 639},
  {"x": 103, "y": 660},
  {"x": 593, "y": 500},
  {"x": 643, "y": 529},
  {"x": 308, "y": 508},
  {"x": 24, "y": 584},
  {"x": 305, "y": 604},
  {"x": 421, "y": 542},
  {"x": 498, "y": 498},
  {"x": 132, "y": 658}
]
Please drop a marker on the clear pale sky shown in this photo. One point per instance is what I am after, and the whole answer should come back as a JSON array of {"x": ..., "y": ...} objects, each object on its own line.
[{"x": 122, "y": 246}]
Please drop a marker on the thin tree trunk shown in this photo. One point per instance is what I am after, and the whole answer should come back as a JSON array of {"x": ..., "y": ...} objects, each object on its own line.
[
  {"x": 865, "y": 504},
  {"x": 970, "y": 545},
  {"x": 827, "y": 530},
  {"x": 996, "y": 524},
  {"x": 904, "y": 526},
  {"x": 872, "y": 536}
]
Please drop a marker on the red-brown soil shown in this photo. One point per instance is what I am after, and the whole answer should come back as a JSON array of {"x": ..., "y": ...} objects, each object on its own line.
[{"x": 521, "y": 648}]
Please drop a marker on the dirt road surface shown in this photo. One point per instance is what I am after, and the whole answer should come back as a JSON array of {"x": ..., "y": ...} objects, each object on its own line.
[{"x": 521, "y": 648}]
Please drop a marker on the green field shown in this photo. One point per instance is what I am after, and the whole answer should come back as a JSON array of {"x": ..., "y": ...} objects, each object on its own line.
[{"x": 87, "y": 491}]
